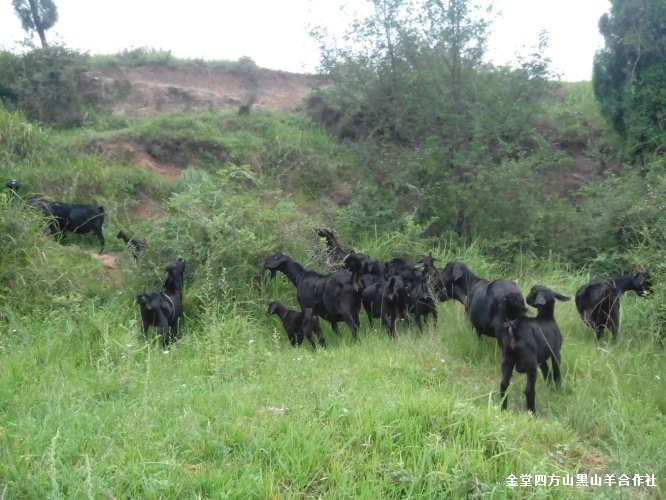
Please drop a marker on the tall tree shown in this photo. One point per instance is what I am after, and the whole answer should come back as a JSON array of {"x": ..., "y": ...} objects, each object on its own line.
[
  {"x": 629, "y": 75},
  {"x": 36, "y": 15}
]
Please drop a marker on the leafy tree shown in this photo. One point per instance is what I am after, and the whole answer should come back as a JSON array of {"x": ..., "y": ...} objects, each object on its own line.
[
  {"x": 629, "y": 75},
  {"x": 412, "y": 74},
  {"x": 36, "y": 15}
]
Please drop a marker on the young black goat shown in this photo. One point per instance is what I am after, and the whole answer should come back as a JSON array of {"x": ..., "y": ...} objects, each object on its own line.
[
  {"x": 598, "y": 302},
  {"x": 164, "y": 310},
  {"x": 134, "y": 245},
  {"x": 530, "y": 342},
  {"x": 482, "y": 299},
  {"x": 298, "y": 324}
]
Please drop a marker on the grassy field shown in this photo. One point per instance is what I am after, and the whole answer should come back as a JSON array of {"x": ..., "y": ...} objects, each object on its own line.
[{"x": 92, "y": 410}]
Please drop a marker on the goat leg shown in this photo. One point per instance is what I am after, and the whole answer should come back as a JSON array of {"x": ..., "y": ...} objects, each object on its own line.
[
  {"x": 164, "y": 326},
  {"x": 311, "y": 340},
  {"x": 353, "y": 325},
  {"x": 389, "y": 324},
  {"x": 529, "y": 388},
  {"x": 320, "y": 334},
  {"x": 100, "y": 237},
  {"x": 545, "y": 371},
  {"x": 557, "y": 377},
  {"x": 507, "y": 371}
]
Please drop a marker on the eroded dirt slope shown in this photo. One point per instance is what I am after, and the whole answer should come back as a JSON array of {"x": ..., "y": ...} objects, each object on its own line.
[{"x": 150, "y": 90}]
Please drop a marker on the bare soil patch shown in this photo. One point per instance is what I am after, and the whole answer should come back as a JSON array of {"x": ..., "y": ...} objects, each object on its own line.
[{"x": 150, "y": 90}]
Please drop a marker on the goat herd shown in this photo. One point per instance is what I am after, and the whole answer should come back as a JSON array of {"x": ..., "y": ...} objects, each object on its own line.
[
  {"x": 398, "y": 289},
  {"x": 404, "y": 289}
]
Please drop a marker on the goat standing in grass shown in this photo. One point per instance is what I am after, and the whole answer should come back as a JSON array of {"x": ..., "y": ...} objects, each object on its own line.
[
  {"x": 164, "y": 310},
  {"x": 298, "y": 324},
  {"x": 598, "y": 302},
  {"x": 482, "y": 299},
  {"x": 334, "y": 297},
  {"x": 530, "y": 342}
]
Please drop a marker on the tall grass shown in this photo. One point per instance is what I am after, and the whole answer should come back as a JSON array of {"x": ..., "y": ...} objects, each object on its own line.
[{"x": 91, "y": 409}]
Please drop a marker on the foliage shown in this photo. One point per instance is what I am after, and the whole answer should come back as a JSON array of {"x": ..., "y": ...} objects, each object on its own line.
[
  {"x": 48, "y": 85},
  {"x": 36, "y": 15},
  {"x": 413, "y": 75},
  {"x": 630, "y": 75}
]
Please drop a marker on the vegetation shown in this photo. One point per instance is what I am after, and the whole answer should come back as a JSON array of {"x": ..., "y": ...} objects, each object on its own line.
[
  {"x": 415, "y": 147},
  {"x": 630, "y": 76},
  {"x": 37, "y": 15}
]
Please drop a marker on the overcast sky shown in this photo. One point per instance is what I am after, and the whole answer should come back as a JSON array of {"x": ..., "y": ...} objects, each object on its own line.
[{"x": 275, "y": 35}]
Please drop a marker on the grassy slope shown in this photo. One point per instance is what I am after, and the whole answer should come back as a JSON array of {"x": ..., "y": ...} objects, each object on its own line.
[{"x": 92, "y": 410}]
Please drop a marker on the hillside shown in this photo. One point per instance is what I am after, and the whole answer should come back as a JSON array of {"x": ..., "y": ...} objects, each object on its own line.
[
  {"x": 151, "y": 90},
  {"x": 95, "y": 409},
  {"x": 155, "y": 89}
]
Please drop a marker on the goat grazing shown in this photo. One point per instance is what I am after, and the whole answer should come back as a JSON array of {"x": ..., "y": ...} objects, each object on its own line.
[
  {"x": 298, "y": 324},
  {"x": 74, "y": 218},
  {"x": 66, "y": 217},
  {"x": 134, "y": 245},
  {"x": 164, "y": 309},
  {"x": 334, "y": 297},
  {"x": 482, "y": 299},
  {"x": 530, "y": 342},
  {"x": 598, "y": 302}
]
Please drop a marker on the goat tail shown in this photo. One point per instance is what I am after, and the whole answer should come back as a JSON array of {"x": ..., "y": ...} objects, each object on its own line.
[{"x": 101, "y": 209}]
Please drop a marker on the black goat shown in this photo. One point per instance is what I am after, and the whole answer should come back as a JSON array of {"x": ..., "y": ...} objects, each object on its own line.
[
  {"x": 175, "y": 272},
  {"x": 530, "y": 342},
  {"x": 66, "y": 217},
  {"x": 382, "y": 300},
  {"x": 298, "y": 324},
  {"x": 164, "y": 310},
  {"x": 74, "y": 218},
  {"x": 134, "y": 245},
  {"x": 489, "y": 304},
  {"x": 336, "y": 252},
  {"x": 334, "y": 297},
  {"x": 421, "y": 303},
  {"x": 598, "y": 302}
]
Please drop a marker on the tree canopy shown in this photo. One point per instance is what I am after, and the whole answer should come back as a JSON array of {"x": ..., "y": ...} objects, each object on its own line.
[
  {"x": 36, "y": 15},
  {"x": 629, "y": 75}
]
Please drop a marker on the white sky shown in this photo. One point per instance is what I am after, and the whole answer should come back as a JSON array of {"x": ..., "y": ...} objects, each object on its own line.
[{"x": 274, "y": 33}]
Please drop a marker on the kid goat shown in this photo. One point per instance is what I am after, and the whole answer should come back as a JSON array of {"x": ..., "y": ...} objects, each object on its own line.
[{"x": 531, "y": 342}]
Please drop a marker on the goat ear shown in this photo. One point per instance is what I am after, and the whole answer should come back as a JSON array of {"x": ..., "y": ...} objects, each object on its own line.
[
  {"x": 457, "y": 273},
  {"x": 561, "y": 297},
  {"x": 271, "y": 307}
]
